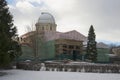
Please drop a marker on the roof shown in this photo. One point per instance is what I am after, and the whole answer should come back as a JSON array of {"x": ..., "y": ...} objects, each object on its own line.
[
  {"x": 46, "y": 17},
  {"x": 73, "y": 35},
  {"x": 27, "y": 34},
  {"x": 53, "y": 35}
]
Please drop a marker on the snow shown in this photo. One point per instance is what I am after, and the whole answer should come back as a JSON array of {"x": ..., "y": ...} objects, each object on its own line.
[{"x": 49, "y": 75}]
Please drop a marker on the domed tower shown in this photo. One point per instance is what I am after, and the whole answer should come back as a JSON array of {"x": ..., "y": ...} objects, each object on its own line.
[{"x": 46, "y": 22}]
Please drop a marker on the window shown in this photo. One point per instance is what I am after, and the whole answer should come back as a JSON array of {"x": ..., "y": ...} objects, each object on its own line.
[
  {"x": 42, "y": 28},
  {"x": 64, "y": 46},
  {"x": 71, "y": 46},
  {"x": 50, "y": 27},
  {"x": 77, "y": 47},
  {"x": 64, "y": 51}
]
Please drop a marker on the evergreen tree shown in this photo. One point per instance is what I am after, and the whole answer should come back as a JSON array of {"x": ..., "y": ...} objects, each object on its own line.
[
  {"x": 8, "y": 47},
  {"x": 91, "y": 46}
]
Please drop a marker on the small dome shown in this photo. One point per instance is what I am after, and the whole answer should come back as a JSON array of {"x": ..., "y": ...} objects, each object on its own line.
[{"x": 46, "y": 18}]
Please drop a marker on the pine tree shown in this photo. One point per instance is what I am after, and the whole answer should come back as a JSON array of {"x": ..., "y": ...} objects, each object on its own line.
[
  {"x": 8, "y": 47},
  {"x": 91, "y": 45}
]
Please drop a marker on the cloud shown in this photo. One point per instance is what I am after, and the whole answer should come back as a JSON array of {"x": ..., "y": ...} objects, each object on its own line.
[
  {"x": 104, "y": 15},
  {"x": 25, "y": 13}
]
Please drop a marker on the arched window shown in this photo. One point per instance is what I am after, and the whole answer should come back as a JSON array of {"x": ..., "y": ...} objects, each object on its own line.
[
  {"x": 50, "y": 27},
  {"x": 42, "y": 27}
]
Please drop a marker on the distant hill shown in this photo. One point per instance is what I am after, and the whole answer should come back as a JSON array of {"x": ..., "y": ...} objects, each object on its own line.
[
  {"x": 108, "y": 42},
  {"x": 102, "y": 45}
]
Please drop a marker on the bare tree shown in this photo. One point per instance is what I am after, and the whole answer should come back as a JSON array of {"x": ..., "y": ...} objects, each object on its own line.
[{"x": 34, "y": 38}]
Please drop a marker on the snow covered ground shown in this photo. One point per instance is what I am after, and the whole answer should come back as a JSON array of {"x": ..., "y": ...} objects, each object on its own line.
[{"x": 45, "y": 75}]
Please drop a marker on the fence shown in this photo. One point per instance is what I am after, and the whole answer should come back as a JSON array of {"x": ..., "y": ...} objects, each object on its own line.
[{"x": 71, "y": 67}]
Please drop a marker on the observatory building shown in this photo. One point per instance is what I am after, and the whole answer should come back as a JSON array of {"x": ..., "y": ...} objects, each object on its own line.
[{"x": 47, "y": 43}]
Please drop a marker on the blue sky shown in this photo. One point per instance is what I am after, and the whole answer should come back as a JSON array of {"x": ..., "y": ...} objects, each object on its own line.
[
  {"x": 12, "y": 2},
  {"x": 78, "y": 15}
]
